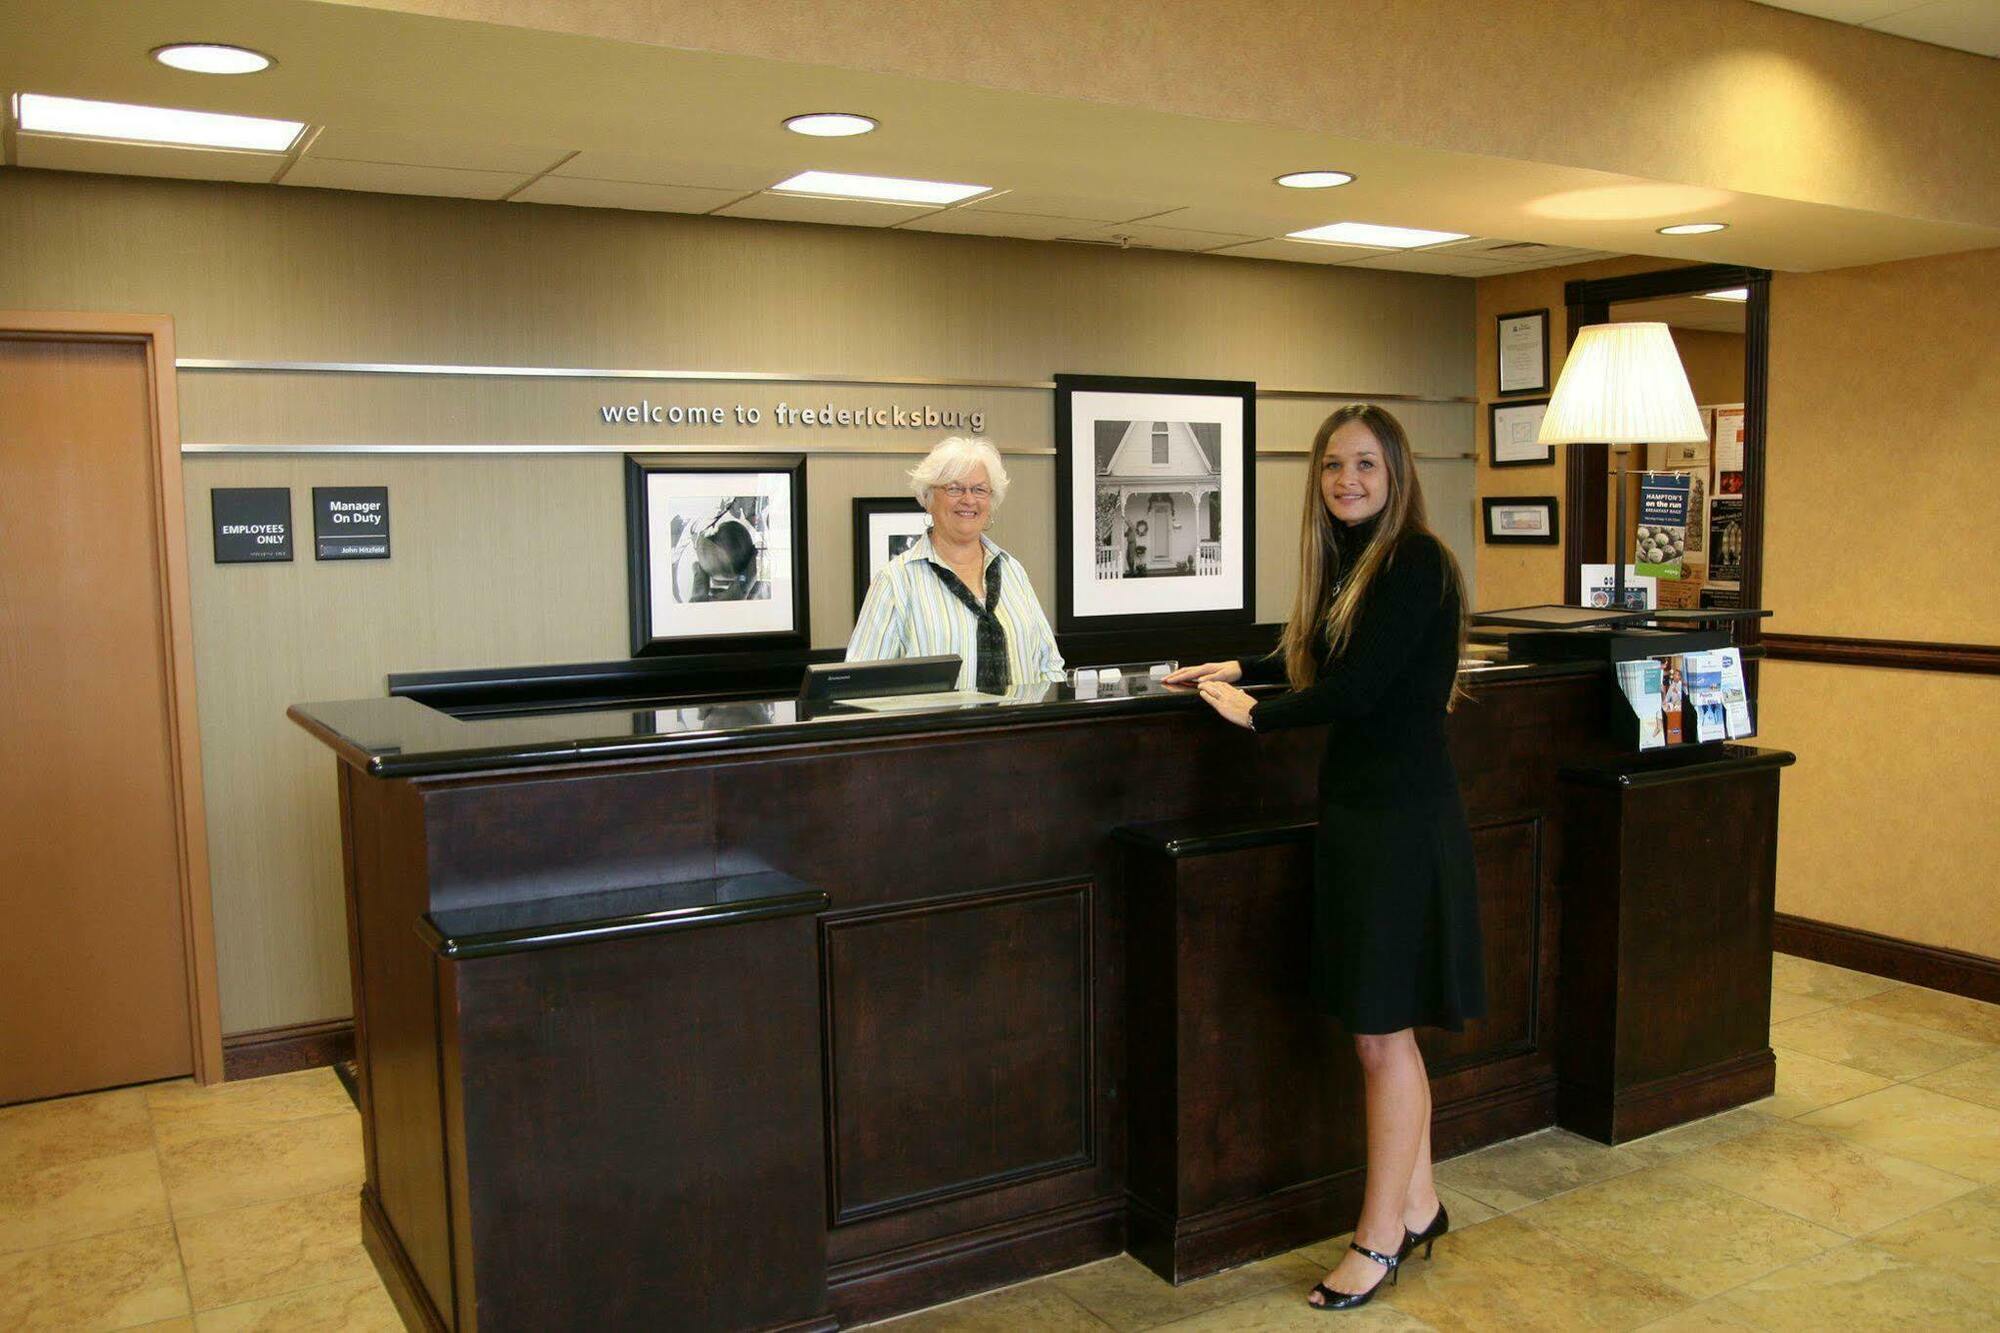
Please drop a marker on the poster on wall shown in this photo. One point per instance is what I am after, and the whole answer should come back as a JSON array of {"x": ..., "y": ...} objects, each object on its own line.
[
  {"x": 885, "y": 526},
  {"x": 1725, "y": 539},
  {"x": 1661, "y": 537},
  {"x": 716, "y": 552},
  {"x": 1728, "y": 451},
  {"x": 1155, "y": 502}
]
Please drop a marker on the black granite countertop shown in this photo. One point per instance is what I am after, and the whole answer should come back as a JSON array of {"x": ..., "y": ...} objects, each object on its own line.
[{"x": 400, "y": 738}]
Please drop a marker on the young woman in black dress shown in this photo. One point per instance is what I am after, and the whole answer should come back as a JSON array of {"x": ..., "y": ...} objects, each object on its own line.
[{"x": 1371, "y": 652}]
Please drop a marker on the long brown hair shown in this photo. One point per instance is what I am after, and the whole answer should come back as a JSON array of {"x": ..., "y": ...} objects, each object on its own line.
[{"x": 1320, "y": 615}]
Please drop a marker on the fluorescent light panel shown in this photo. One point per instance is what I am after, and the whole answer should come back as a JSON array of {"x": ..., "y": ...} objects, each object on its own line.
[
  {"x": 1371, "y": 234},
  {"x": 153, "y": 124},
  {"x": 1726, "y": 294},
  {"x": 882, "y": 189},
  {"x": 212, "y": 58}
]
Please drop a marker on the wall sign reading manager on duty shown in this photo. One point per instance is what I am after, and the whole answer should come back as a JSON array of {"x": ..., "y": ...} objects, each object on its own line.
[{"x": 896, "y": 416}]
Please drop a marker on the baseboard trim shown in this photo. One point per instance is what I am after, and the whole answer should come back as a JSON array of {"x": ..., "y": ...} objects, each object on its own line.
[
  {"x": 398, "y": 1274},
  {"x": 288, "y": 1049},
  {"x": 1969, "y": 974}
]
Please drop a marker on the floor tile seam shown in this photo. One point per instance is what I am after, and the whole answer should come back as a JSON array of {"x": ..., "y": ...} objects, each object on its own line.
[
  {"x": 1894, "y": 1157},
  {"x": 210, "y": 1136},
  {"x": 285, "y": 1295},
  {"x": 1916, "y": 1024},
  {"x": 1723, "y": 1184},
  {"x": 1626, "y": 1269},
  {"x": 1970, "y": 1060}
]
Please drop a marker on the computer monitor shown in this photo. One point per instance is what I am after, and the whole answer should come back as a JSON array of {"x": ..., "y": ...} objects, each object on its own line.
[{"x": 830, "y": 682}]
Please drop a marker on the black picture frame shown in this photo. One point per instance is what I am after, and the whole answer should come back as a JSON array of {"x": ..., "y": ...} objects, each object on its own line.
[
  {"x": 648, "y": 640},
  {"x": 1493, "y": 413},
  {"x": 865, "y": 508},
  {"x": 1489, "y": 505},
  {"x": 1232, "y": 406},
  {"x": 1500, "y": 385}
]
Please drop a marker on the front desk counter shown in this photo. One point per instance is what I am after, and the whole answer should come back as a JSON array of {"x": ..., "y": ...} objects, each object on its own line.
[{"x": 718, "y": 1016}]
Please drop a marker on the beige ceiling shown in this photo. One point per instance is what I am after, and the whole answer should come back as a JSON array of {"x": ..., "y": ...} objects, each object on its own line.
[
  {"x": 1967, "y": 25},
  {"x": 416, "y": 105}
]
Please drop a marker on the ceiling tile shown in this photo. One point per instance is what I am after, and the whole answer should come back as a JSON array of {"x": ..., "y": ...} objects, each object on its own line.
[
  {"x": 1430, "y": 261},
  {"x": 802, "y": 208},
  {"x": 1235, "y": 221},
  {"x": 650, "y": 170},
  {"x": 624, "y": 194},
  {"x": 1027, "y": 226},
  {"x": 1969, "y": 25},
  {"x": 58, "y": 152},
  {"x": 1158, "y": 238},
  {"x": 394, "y": 178},
  {"x": 420, "y": 151},
  {"x": 1069, "y": 206},
  {"x": 1302, "y": 252}
]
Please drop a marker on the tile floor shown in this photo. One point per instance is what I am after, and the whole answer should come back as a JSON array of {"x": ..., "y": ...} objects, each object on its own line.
[{"x": 1864, "y": 1195}]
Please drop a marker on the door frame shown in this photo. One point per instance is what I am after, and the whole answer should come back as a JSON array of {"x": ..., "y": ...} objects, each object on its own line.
[{"x": 155, "y": 334}]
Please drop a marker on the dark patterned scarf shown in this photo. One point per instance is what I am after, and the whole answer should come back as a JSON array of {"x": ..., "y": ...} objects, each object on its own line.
[{"x": 994, "y": 675}]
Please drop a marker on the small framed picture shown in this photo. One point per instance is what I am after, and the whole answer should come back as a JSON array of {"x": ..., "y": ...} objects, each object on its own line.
[
  {"x": 717, "y": 552},
  {"x": 1511, "y": 440},
  {"x": 1156, "y": 505},
  {"x": 1523, "y": 351},
  {"x": 885, "y": 526},
  {"x": 1527, "y": 520}
]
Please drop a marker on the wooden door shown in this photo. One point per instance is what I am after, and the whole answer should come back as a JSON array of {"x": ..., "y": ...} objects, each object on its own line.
[{"x": 98, "y": 966}]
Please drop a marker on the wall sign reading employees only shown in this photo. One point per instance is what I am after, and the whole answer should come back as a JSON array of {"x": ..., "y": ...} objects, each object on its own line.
[{"x": 923, "y": 416}]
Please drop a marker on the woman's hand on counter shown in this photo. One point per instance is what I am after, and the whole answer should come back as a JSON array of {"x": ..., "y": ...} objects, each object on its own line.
[
  {"x": 1232, "y": 704},
  {"x": 1226, "y": 672}
]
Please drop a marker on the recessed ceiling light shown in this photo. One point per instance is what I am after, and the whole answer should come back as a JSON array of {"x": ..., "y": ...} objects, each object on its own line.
[
  {"x": 153, "y": 124},
  {"x": 1694, "y": 228},
  {"x": 1369, "y": 233},
  {"x": 1314, "y": 180},
  {"x": 1726, "y": 294},
  {"x": 884, "y": 189},
  {"x": 830, "y": 124},
  {"x": 212, "y": 58}
]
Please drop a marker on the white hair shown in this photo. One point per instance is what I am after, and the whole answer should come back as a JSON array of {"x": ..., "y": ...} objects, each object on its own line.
[{"x": 954, "y": 458}]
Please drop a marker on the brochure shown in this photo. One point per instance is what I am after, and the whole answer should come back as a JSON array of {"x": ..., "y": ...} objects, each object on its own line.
[
  {"x": 1704, "y": 695},
  {"x": 1735, "y": 699},
  {"x": 1640, "y": 681},
  {"x": 1663, "y": 522},
  {"x": 1672, "y": 680},
  {"x": 1725, "y": 539},
  {"x": 1641, "y": 591}
]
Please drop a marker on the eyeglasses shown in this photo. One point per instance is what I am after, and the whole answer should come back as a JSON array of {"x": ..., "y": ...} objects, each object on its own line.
[{"x": 958, "y": 492}]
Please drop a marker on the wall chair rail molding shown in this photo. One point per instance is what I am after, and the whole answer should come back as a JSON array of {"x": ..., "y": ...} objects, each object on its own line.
[
  {"x": 1979, "y": 659},
  {"x": 1969, "y": 974}
]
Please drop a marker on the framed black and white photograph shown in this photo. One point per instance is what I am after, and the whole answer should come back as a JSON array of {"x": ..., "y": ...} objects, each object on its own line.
[
  {"x": 717, "y": 552},
  {"x": 1525, "y": 520},
  {"x": 1510, "y": 441},
  {"x": 1155, "y": 502},
  {"x": 1522, "y": 348},
  {"x": 885, "y": 526}
]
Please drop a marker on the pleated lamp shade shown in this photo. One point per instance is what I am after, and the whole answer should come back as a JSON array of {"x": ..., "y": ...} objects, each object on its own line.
[{"x": 1622, "y": 384}]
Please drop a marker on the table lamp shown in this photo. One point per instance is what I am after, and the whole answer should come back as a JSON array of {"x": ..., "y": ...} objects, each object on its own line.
[{"x": 1622, "y": 384}]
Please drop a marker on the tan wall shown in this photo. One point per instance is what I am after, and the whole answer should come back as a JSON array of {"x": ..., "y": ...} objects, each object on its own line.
[
  {"x": 1713, "y": 361},
  {"x": 1883, "y": 494},
  {"x": 516, "y": 559},
  {"x": 1759, "y": 99}
]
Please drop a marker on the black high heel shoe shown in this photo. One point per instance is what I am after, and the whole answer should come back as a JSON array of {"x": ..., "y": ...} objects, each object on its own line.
[
  {"x": 1427, "y": 1237},
  {"x": 1349, "y": 1300}
]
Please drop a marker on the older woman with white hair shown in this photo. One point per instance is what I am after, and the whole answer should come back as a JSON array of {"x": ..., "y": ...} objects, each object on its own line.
[{"x": 954, "y": 590}]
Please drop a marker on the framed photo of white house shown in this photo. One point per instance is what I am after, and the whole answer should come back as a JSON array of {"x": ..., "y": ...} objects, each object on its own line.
[
  {"x": 1155, "y": 502},
  {"x": 1510, "y": 441},
  {"x": 717, "y": 552},
  {"x": 885, "y": 526}
]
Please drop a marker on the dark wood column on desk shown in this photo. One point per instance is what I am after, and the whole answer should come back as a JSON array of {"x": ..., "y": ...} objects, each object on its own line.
[{"x": 954, "y": 985}]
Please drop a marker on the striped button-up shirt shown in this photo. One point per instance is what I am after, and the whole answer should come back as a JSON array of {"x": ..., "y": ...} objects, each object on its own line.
[{"x": 910, "y": 613}]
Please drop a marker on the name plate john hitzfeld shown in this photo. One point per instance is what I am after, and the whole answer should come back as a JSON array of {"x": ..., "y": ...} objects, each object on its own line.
[
  {"x": 351, "y": 522},
  {"x": 252, "y": 523}
]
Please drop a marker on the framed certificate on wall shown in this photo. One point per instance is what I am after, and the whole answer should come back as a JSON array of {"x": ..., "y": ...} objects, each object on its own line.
[{"x": 1522, "y": 347}]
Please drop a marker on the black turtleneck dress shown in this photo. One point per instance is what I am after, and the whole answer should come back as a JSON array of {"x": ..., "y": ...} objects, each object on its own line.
[{"x": 1395, "y": 907}]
